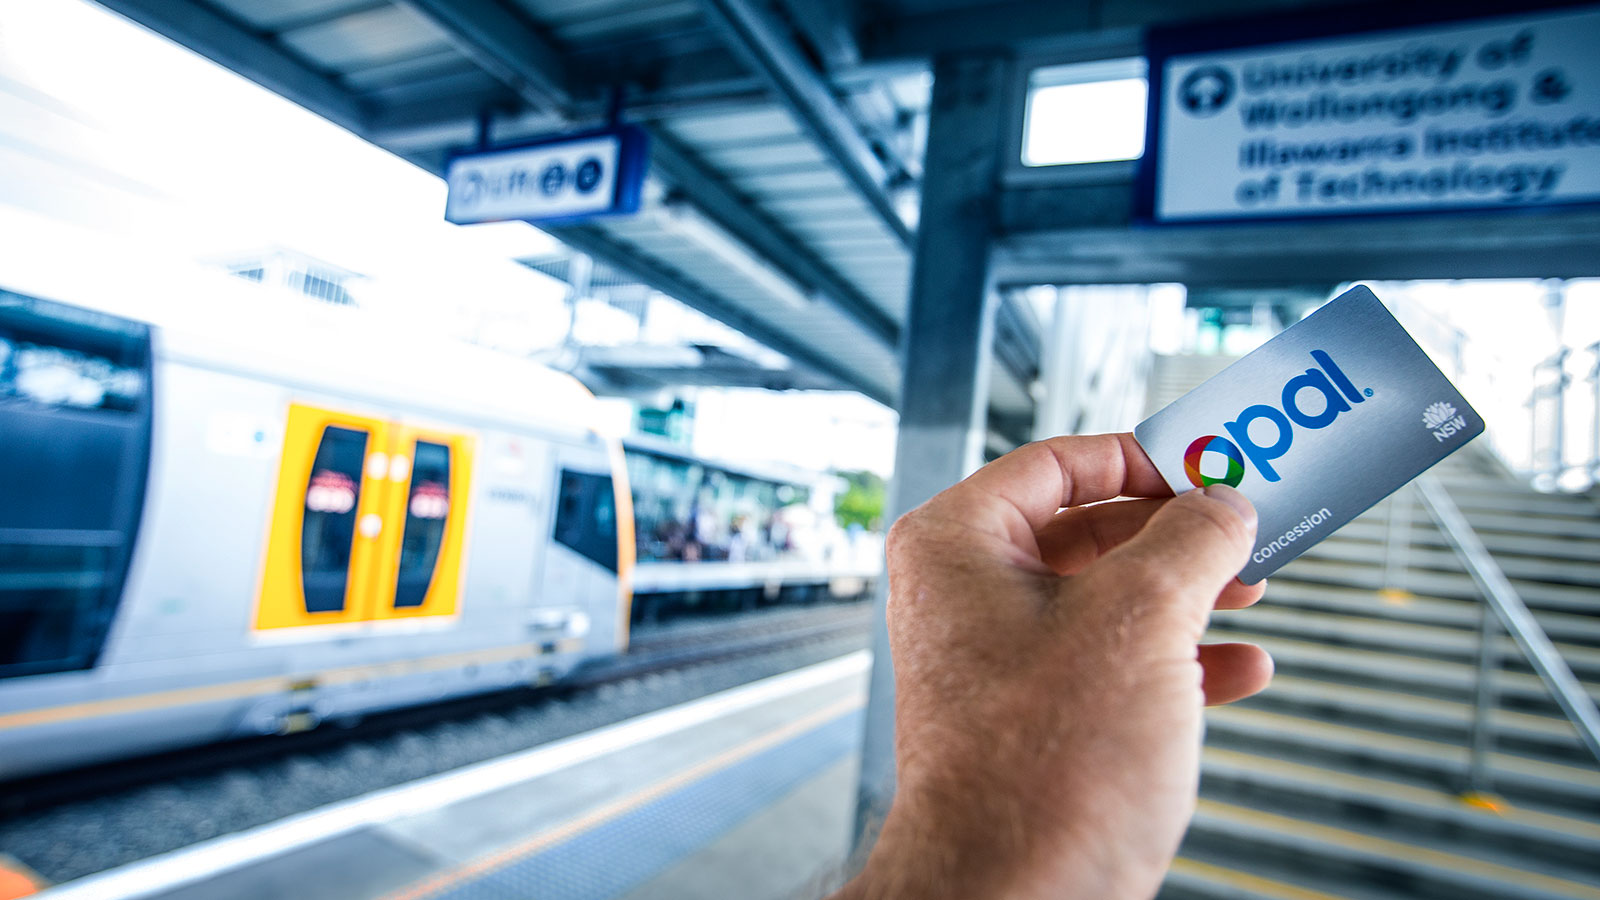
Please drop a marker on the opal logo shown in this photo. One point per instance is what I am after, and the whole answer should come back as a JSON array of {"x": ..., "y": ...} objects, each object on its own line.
[
  {"x": 1213, "y": 443},
  {"x": 1338, "y": 395}
]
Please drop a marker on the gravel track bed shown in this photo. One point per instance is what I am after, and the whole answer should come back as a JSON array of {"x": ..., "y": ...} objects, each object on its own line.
[{"x": 81, "y": 837}]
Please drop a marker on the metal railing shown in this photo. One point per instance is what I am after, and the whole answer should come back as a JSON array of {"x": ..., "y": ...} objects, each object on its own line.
[
  {"x": 1503, "y": 608},
  {"x": 1550, "y": 393}
]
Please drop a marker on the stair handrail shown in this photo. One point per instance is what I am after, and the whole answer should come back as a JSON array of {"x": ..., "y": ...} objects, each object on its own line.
[{"x": 1513, "y": 614}]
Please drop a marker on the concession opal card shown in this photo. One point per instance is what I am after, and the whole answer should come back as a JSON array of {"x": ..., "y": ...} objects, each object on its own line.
[{"x": 1314, "y": 426}]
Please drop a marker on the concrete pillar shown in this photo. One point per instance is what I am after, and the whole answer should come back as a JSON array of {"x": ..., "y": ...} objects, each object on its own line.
[{"x": 947, "y": 342}]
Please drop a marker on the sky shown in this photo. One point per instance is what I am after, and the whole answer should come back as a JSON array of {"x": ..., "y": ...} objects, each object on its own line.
[{"x": 179, "y": 152}]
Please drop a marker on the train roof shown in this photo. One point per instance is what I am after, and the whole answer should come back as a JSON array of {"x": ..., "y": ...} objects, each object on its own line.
[{"x": 216, "y": 321}]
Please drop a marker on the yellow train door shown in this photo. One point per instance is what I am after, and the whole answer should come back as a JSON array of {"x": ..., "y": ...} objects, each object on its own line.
[
  {"x": 369, "y": 521},
  {"x": 420, "y": 575}
]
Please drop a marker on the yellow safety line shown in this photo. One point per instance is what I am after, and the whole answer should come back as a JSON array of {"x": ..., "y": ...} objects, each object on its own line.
[
  {"x": 1248, "y": 881},
  {"x": 621, "y": 806},
  {"x": 255, "y": 686},
  {"x": 1353, "y": 840}
]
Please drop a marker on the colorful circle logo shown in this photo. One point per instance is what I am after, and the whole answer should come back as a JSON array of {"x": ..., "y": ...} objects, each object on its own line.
[{"x": 1213, "y": 443}]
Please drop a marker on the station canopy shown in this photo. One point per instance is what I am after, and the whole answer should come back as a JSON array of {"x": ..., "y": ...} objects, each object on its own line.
[{"x": 787, "y": 141}]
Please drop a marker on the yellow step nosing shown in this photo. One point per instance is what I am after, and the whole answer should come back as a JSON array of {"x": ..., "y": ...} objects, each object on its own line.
[
  {"x": 1416, "y": 746},
  {"x": 1248, "y": 881},
  {"x": 1399, "y": 850},
  {"x": 1241, "y": 620},
  {"x": 1520, "y": 680},
  {"x": 1546, "y": 725},
  {"x": 1383, "y": 788}
]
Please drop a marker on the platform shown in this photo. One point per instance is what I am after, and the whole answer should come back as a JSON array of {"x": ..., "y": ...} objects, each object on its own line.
[{"x": 744, "y": 793}]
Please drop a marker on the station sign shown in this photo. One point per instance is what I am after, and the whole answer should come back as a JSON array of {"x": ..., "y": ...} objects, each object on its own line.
[
  {"x": 564, "y": 178},
  {"x": 1309, "y": 118}
]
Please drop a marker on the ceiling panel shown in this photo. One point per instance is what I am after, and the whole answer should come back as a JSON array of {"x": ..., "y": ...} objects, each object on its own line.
[{"x": 380, "y": 35}]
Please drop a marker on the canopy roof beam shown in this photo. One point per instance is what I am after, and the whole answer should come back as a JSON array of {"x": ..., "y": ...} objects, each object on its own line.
[
  {"x": 209, "y": 33},
  {"x": 751, "y": 33},
  {"x": 713, "y": 196},
  {"x": 506, "y": 47},
  {"x": 591, "y": 240}
]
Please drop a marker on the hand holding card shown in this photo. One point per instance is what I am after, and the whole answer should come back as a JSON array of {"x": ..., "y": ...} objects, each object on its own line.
[{"x": 1315, "y": 426}]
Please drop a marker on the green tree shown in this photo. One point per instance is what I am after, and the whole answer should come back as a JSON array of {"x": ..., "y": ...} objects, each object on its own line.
[{"x": 862, "y": 502}]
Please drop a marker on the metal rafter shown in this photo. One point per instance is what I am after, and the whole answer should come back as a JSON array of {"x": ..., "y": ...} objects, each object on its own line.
[
  {"x": 232, "y": 44},
  {"x": 754, "y": 36},
  {"x": 505, "y": 46},
  {"x": 718, "y": 200},
  {"x": 828, "y": 25},
  {"x": 588, "y": 239},
  {"x": 497, "y": 40}
]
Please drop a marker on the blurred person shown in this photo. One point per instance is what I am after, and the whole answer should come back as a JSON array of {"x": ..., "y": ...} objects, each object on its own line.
[
  {"x": 739, "y": 533},
  {"x": 1049, "y": 674}
]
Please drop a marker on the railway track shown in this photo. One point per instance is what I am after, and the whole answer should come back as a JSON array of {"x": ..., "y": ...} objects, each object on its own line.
[{"x": 218, "y": 788}]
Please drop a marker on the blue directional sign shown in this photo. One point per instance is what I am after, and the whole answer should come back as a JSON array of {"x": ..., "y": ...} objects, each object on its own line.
[{"x": 564, "y": 178}]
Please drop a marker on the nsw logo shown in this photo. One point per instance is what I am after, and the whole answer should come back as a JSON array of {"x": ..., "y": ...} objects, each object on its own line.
[
  {"x": 1441, "y": 419},
  {"x": 1338, "y": 394}
]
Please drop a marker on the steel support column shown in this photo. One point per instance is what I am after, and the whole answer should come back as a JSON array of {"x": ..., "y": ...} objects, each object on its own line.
[{"x": 946, "y": 348}]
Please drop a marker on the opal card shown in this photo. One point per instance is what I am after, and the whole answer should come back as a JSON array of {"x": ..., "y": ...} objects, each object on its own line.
[{"x": 1314, "y": 426}]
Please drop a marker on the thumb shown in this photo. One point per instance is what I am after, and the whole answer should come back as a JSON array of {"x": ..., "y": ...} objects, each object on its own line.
[{"x": 1189, "y": 551}]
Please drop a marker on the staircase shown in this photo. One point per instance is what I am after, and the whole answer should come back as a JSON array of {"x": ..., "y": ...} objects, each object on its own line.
[{"x": 1347, "y": 778}]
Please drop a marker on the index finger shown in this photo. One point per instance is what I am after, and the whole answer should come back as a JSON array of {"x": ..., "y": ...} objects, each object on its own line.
[{"x": 1040, "y": 478}]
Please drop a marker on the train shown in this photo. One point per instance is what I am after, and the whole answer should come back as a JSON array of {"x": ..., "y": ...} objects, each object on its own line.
[{"x": 238, "y": 522}]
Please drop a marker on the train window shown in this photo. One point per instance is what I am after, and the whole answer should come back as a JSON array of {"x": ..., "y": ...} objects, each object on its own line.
[
  {"x": 52, "y": 373},
  {"x": 51, "y": 609},
  {"x": 427, "y": 511},
  {"x": 586, "y": 516},
  {"x": 329, "y": 528},
  {"x": 75, "y": 419}
]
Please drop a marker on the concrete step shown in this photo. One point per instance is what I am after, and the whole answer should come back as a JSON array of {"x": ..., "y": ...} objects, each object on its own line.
[
  {"x": 1582, "y": 529},
  {"x": 1284, "y": 592},
  {"x": 1279, "y": 845},
  {"x": 1585, "y": 573},
  {"x": 1375, "y": 530},
  {"x": 1521, "y": 501},
  {"x": 1562, "y": 846},
  {"x": 1527, "y": 784},
  {"x": 1316, "y": 568},
  {"x": 1485, "y": 494},
  {"x": 1425, "y": 641},
  {"x": 1397, "y": 672},
  {"x": 1536, "y": 736}
]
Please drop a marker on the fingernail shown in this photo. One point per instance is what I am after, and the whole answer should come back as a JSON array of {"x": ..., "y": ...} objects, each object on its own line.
[{"x": 1239, "y": 502}]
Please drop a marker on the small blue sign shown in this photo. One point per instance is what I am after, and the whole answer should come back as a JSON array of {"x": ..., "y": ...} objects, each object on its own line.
[
  {"x": 565, "y": 178},
  {"x": 588, "y": 176}
]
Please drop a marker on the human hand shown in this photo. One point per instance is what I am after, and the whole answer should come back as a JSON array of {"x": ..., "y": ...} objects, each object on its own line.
[{"x": 1049, "y": 677}]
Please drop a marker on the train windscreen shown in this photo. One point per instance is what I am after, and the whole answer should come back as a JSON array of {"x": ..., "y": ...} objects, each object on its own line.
[{"x": 75, "y": 410}]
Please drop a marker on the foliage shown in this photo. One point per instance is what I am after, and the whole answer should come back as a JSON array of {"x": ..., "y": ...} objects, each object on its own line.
[{"x": 862, "y": 502}]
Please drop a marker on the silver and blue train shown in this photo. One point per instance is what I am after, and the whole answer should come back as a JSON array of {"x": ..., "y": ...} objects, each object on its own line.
[{"x": 240, "y": 522}]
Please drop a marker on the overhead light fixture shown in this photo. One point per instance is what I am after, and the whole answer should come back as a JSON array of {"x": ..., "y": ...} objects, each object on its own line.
[{"x": 683, "y": 219}]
